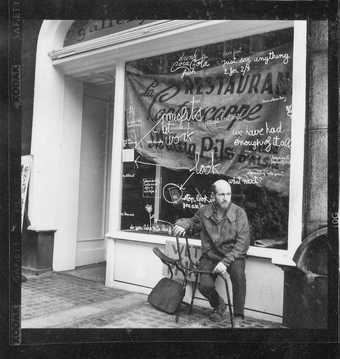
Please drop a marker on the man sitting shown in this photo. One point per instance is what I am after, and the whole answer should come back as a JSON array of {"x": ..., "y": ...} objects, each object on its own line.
[{"x": 224, "y": 233}]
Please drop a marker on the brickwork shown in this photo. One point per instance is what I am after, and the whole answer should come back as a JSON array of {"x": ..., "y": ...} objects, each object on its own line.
[{"x": 55, "y": 300}]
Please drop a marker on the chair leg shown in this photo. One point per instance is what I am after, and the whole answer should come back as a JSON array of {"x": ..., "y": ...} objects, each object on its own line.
[
  {"x": 229, "y": 302},
  {"x": 193, "y": 293}
]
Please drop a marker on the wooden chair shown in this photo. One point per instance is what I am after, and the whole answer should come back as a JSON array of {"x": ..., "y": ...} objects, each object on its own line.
[{"x": 187, "y": 271}]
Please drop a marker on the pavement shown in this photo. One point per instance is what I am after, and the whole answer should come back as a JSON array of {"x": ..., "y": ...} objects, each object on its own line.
[{"x": 79, "y": 299}]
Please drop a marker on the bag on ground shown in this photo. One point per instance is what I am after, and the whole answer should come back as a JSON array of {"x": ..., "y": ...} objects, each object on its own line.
[{"x": 167, "y": 295}]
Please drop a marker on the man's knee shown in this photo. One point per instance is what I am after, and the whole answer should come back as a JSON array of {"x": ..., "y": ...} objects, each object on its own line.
[{"x": 237, "y": 271}]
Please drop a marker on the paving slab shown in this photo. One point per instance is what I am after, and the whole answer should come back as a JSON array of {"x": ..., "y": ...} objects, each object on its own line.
[{"x": 55, "y": 292}]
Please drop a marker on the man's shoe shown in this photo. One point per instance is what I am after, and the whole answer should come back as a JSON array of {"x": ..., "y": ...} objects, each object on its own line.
[
  {"x": 238, "y": 322},
  {"x": 218, "y": 314}
]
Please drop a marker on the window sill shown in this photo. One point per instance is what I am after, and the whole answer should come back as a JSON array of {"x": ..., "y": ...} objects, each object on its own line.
[
  {"x": 277, "y": 256},
  {"x": 41, "y": 229}
]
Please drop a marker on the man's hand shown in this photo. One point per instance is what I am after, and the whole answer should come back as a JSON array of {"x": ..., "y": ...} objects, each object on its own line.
[
  {"x": 179, "y": 231},
  {"x": 220, "y": 268}
]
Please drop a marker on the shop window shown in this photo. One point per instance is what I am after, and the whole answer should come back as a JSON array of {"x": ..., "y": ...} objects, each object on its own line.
[{"x": 218, "y": 111}]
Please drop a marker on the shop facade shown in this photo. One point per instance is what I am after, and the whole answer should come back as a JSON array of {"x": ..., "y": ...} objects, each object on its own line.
[{"x": 133, "y": 121}]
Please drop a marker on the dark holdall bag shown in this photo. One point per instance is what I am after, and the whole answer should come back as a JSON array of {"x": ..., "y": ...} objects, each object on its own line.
[{"x": 167, "y": 295}]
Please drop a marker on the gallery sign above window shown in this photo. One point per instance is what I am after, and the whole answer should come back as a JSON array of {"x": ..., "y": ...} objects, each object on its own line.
[{"x": 83, "y": 30}]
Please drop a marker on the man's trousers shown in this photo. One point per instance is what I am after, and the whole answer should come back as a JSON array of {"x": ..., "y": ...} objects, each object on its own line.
[{"x": 236, "y": 271}]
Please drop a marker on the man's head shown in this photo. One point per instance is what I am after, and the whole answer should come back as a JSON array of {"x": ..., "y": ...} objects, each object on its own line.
[{"x": 221, "y": 192}]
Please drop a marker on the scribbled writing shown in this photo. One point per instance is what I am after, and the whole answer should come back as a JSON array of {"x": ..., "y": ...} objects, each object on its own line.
[{"x": 190, "y": 64}]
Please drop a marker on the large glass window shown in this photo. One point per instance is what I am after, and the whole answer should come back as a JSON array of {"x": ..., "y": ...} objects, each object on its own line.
[{"x": 218, "y": 111}]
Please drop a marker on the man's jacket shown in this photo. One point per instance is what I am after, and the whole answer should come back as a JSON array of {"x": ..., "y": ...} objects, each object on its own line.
[{"x": 222, "y": 240}]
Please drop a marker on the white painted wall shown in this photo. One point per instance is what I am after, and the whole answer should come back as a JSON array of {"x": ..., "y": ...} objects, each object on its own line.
[
  {"x": 64, "y": 252},
  {"x": 135, "y": 263},
  {"x": 56, "y": 148},
  {"x": 265, "y": 285},
  {"x": 56, "y": 139},
  {"x": 47, "y": 128}
]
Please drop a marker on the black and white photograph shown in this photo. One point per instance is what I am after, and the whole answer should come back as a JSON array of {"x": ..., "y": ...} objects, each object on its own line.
[{"x": 175, "y": 176}]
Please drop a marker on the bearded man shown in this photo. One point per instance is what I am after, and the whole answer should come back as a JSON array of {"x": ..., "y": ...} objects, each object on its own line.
[{"x": 224, "y": 233}]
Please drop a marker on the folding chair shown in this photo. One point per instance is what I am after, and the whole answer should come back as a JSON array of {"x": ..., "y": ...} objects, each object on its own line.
[{"x": 188, "y": 270}]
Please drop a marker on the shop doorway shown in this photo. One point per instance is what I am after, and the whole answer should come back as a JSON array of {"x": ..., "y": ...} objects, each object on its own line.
[{"x": 94, "y": 173}]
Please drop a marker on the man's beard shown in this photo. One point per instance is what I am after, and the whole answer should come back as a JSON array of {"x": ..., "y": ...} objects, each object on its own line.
[{"x": 224, "y": 204}]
